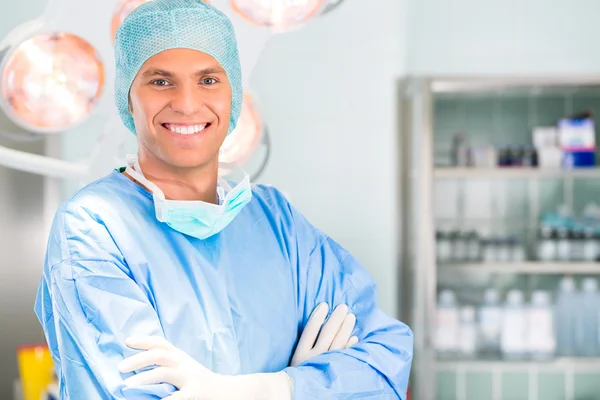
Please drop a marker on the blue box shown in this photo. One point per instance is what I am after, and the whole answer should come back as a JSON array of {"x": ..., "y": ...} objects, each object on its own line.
[{"x": 579, "y": 159}]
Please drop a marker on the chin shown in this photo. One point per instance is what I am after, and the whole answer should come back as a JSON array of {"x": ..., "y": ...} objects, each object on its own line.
[{"x": 191, "y": 161}]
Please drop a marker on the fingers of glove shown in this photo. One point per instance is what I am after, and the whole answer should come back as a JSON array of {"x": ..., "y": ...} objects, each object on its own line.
[
  {"x": 159, "y": 357},
  {"x": 343, "y": 335},
  {"x": 331, "y": 328},
  {"x": 353, "y": 340},
  {"x": 155, "y": 376},
  {"x": 148, "y": 342},
  {"x": 311, "y": 330}
]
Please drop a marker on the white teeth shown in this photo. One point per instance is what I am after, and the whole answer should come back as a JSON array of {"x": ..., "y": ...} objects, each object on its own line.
[{"x": 187, "y": 130}]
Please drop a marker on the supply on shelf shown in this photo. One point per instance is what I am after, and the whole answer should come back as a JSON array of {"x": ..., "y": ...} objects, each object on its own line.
[
  {"x": 517, "y": 330},
  {"x": 569, "y": 144}
]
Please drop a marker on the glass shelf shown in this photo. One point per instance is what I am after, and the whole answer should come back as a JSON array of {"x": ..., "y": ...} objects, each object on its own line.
[
  {"x": 579, "y": 364},
  {"x": 529, "y": 268},
  {"x": 515, "y": 173}
]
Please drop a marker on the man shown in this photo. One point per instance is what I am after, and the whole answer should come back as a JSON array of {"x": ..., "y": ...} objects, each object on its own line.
[{"x": 213, "y": 283}]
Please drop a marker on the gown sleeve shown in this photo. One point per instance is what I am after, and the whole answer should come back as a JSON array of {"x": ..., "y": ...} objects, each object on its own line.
[
  {"x": 88, "y": 303},
  {"x": 379, "y": 365}
]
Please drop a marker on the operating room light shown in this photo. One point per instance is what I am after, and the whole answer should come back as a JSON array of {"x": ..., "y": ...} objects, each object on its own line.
[
  {"x": 123, "y": 9},
  {"x": 240, "y": 144},
  {"x": 278, "y": 14},
  {"x": 51, "y": 82}
]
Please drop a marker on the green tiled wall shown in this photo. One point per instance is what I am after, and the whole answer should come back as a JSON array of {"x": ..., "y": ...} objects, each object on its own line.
[{"x": 515, "y": 386}]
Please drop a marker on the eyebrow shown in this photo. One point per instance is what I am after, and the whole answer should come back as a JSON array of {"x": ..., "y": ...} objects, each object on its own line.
[{"x": 167, "y": 74}]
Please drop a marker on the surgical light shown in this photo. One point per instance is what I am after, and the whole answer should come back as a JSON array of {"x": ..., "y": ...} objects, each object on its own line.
[
  {"x": 51, "y": 82},
  {"x": 239, "y": 145},
  {"x": 278, "y": 14},
  {"x": 123, "y": 9}
]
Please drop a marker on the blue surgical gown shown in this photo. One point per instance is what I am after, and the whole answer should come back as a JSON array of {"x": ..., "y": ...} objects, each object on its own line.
[{"x": 237, "y": 302}]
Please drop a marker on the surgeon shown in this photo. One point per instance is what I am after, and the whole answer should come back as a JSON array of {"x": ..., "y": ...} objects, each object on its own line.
[{"x": 164, "y": 280}]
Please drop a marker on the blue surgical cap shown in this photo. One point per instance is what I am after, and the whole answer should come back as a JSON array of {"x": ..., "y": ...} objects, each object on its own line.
[{"x": 161, "y": 25}]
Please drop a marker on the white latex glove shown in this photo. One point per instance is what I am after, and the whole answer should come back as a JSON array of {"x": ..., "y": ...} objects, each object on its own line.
[
  {"x": 335, "y": 334},
  {"x": 194, "y": 381}
]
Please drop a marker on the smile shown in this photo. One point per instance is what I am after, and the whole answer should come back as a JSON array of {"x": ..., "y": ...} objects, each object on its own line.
[{"x": 186, "y": 129}]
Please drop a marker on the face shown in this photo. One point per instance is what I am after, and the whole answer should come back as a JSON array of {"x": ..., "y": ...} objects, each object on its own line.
[{"x": 181, "y": 105}]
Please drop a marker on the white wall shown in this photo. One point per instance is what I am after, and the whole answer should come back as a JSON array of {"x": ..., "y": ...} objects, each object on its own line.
[
  {"x": 10, "y": 18},
  {"x": 461, "y": 37},
  {"x": 328, "y": 92}
]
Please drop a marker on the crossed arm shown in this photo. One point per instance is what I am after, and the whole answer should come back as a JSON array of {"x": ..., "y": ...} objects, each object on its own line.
[{"x": 88, "y": 345}]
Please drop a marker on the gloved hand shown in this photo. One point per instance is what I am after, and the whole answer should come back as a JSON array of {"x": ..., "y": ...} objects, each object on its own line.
[
  {"x": 335, "y": 334},
  {"x": 194, "y": 381}
]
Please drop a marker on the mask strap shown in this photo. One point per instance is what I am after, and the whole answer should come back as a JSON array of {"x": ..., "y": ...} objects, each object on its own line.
[
  {"x": 229, "y": 166},
  {"x": 133, "y": 169}
]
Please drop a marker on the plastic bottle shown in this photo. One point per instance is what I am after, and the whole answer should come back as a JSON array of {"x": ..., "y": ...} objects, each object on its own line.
[
  {"x": 473, "y": 247},
  {"x": 541, "y": 339},
  {"x": 490, "y": 323},
  {"x": 546, "y": 246},
  {"x": 513, "y": 343},
  {"x": 490, "y": 250},
  {"x": 530, "y": 157},
  {"x": 591, "y": 248},
  {"x": 468, "y": 344},
  {"x": 591, "y": 239},
  {"x": 516, "y": 156},
  {"x": 577, "y": 243},
  {"x": 447, "y": 329},
  {"x": 504, "y": 250},
  {"x": 563, "y": 245},
  {"x": 443, "y": 247},
  {"x": 504, "y": 157},
  {"x": 586, "y": 326},
  {"x": 459, "y": 247},
  {"x": 517, "y": 250},
  {"x": 461, "y": 155},
  {"x": 565, "y": 317}
]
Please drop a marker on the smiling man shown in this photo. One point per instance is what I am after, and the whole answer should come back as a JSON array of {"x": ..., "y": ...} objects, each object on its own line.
[{"x": 163, "y": 279}]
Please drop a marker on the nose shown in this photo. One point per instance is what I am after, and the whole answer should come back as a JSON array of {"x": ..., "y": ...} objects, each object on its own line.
[{"x": 187, "y": 100}]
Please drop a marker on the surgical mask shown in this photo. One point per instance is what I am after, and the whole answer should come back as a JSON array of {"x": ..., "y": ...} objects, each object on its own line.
[{"x": 197, "y": 218}]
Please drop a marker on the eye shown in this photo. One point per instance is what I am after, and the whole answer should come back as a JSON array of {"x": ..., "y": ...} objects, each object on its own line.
[
  {"x": 160, "y": 82},
  {"x": 209, "y": 81}
]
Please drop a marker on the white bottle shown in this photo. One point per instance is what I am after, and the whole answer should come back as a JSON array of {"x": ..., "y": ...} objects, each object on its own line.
[
  {"x": 586, "y": 327},
  {"x": 513, "y": 343},
  {"x": 490, "y": 250},
  {"x": 541, "y": 339},
  {"x": 546, "y": 246},
  {"x": 591, "y": 248},
  {"x": 490, "y": 323},
  {"x": 460, "y": 247},
  {"x": 565, "y": 317},
  {"x": 563, "y": 245},
  {"x": 447, "y": 329},
  {"x": 443, "y": 247},
  {"x": 467, "y": 333}
]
